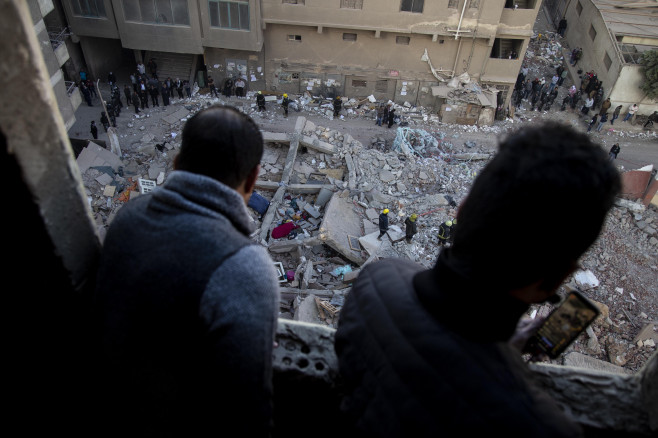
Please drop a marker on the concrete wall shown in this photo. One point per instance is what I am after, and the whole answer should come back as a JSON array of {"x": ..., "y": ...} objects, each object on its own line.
[
  {"x": 620, "y": 81},
  {"x": 251, "y": 40},
  {"x": 93, "y": 27},
  {"x": 627, "y": 91},
  {"x": 217, "y": 61}
]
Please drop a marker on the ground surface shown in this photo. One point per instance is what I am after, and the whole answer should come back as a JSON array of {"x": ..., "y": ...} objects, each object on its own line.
[{"x": 624, "y": 260}]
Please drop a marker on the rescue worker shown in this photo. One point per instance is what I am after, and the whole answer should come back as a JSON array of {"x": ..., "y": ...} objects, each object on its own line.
[
  {"x": 260, "y": 100},
  {"x": 445, "y": 231},
  {"x": 410, "y": 227},
  {"x": 383, "y": 223},
  {"x": 284, "y": 103},
  {"x": 338, "y": 103}
]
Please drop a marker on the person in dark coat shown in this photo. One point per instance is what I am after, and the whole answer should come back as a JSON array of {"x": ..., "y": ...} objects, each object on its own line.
[
  {"x": 562, "y": 27},
  {"x": 615, "y": 114},
  {"x": 104, "y": 121},
  {"x": 136, "y": 101},
  {"x": 127, "y": 91},
  {"x": 212, "y": 87},
  {"x": 187, "y": 333},
  {"x": 164, "y": 92},
  {"x": 188, "y": 89},
  {"x": 153, "y": 91},
  {"x": 285, "y": 102},
  {"x": 179, "y": 88},
  {"x": 111, "y": 79},
  {"x": 153, "y": 68},
  {"x": 445, "y": 232},
  {"x": 593, "y": 122},
  {"x": 412, "y": 365},
  {"x": 338, "y": 103},
  {"x": 391, "y": 117},
  {"x": 383, "y": 223},
  {"x": 410, "y": 227},
  {"x": 228, "y": 87},
  {"x": 260, "y": 101},
  {"x": 614, "y": 151},
  {"x": 86, "y": 94},
  {"x": 94, "y": 130}
]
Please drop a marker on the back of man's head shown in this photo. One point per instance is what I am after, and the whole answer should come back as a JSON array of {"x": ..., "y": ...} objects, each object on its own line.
[
  {"x": 535, "y": 208},
  {"x": 222, "y": 143}
]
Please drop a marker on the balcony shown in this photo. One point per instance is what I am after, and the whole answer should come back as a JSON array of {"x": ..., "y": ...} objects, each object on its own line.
[{"x": 58, "y": 42}]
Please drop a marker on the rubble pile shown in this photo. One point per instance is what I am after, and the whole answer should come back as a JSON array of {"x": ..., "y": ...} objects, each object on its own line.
[{"x": 317, "y": 209}]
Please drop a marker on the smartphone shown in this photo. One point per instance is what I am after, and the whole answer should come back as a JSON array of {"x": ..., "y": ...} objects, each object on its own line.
[{"x": 564, "y": 324}]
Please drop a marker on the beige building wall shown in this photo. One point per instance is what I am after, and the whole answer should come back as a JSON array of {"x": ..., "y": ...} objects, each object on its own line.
[{"x": 621, "y": 81}]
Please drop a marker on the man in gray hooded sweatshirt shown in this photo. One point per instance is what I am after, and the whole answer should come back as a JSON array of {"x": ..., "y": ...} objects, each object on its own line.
[{"x": 186, "y": 301}]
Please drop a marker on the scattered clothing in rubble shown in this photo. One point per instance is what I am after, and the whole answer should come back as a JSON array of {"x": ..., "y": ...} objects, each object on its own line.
[{"x": 283, "y": 230}]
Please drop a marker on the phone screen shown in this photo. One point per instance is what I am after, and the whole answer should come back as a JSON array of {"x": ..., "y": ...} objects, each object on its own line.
[{"x": 564, "y": 324}]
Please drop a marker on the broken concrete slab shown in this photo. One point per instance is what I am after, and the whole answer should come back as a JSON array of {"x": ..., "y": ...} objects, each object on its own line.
[
  {"x": 318, "y": 145},
  {"x": 369, "y": 227},
  {"x": 395, "y": 233},
  {"x": 109, "y": 190},
  {"x": 312, "y": 211},
  {"x": 93, "y": 155},
  {"x": 340, "y": 221},
  {"x": 104, "y": 179},
  {"x": 176, "y": 117},
  {"x": 323, "y": 197},
  {"x": 372, "y": 214},
  {"x": 586, "y": 279},
  {"x": 649, "y": 331},
  {"x": 276, "y": 137},
  {"x": 307, "y": 311},
  {"x": 580, "y": 360},
  {"x": 371, "y": 243},
  {"x": 154, "y": 171},
  {"x": 387, "y": 175}
]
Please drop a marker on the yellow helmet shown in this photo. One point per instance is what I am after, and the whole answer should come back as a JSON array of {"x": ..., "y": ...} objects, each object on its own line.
[
  {"x": 454, "y": 221},
  {"x": 449, "y": 223},
  {"x": 259, "y": 92},
  {"x": 385, "y": 211},
  {"x": 285, "y": 95},
  {"x": 414, "y": 217}
]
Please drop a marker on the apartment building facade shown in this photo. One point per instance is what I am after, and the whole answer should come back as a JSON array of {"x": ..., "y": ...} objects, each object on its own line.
[
  {"x": 613, "y": 35},
  {"x": 392, "y": 49},
  {"x": 55, "y": 54}
]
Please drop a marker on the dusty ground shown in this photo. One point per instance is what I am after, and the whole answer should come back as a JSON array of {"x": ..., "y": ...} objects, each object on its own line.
[{"x": 624, "y": 260}]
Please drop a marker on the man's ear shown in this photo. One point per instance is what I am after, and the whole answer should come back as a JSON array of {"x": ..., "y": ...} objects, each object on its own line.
[{"x": 249, "y": 183}]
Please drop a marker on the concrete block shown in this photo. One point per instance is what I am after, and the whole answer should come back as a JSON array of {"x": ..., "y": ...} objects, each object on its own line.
[
  {"x": 370, "y": 242},
  {"x": 93, "y": 155},
  {"x": 395, "y": 233},
  {"x": 350, "y": 277},
  {"x": 372, "y": 214},
  {"x": 145, "y": 185},
  {"x": 369, "y": 227},
  {"x": 109, "y": 191},
  {"x": 154, "y": 171},
  {"x": 323, "y": 197},
  {"x": 104, "y": 179},
  {"x": 176, "y": 117},
  {"x": 580, "y": 360},
  {"x": 340, "y": 221},
  {"x": 312, "y": 211},
  {"x": 307, "y": 311}
]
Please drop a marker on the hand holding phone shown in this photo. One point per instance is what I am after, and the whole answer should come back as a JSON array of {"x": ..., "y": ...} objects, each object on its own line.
[{"x": 563, "y": 325}]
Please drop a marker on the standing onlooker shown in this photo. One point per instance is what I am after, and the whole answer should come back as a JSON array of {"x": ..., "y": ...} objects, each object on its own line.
[
  {"x": 212, "y": 87},
  {"x": 615, "y": 114},
  {"x": 133, "y": 81},
  {"x": 141, "y": 68},
  {"x": 604, "y": 118},
  {"x": 587, "y": 106},
  {"x": 592, "y": 122},
  {"x": 614, "y": 151},
  {"x": 165, "y": 92},
  {"x": 187, "y": 333},
  {"x": 153, "y": 68},
  {"x": 153, "y": 91},
  {"x": 111, "y": 79},
  {"x": 562, "y": 27},
  {"x": 631, "y": 112},
  {"x": 105, "y": 122},
  {"x": 228, "y": 87},
  {"x": 239, "y": 87},
  {"x": 380, "y": 114},
  {"x": 338, "y": 103},
  {"x": 605, "y": 106},
  {"x": 179, "y": 87},
  {"x": 391, "y": 117},
  {"x": 554, "y": 81},
  {"x": 94, "y": 130},
  {"x": 86, "y": 93},
  {"x": 188, "y": 89},
  {"x": 127, "y": 93},
  {"x": 136, "y": 101}
]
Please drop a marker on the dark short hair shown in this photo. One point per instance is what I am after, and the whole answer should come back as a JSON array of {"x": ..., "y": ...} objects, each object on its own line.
[
  {"x": 222, "y": 143},
  {"x": 536, "y": 207}
]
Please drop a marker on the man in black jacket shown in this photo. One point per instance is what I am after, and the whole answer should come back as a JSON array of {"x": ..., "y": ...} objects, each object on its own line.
[{"x": 413, "y": 364}]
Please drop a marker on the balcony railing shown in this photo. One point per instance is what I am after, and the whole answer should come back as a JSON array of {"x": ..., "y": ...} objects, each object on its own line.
[{"x": 58, "y": 36}]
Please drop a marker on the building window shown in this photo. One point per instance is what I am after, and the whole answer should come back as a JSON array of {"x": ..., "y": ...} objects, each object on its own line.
[
  {"x": 412, "y": 6},
  {"x": 474, "y": 4},
  {"x": 295, "y": 38},
  {"x": 229, "y": 14},
  {"x": 359, "y": 83},
  {"x": 579, "y": 8},
  {"x": 592, "y": 32},
  {"x": 607, "y": 61},
  {"x": 351, "y": 4},
  {"x": 453, "y": 4},
  {"x": 89, "y": 8},
  {"x": 167, "y": 12},
  {"x": 520, "y": 4},
  {"x": 404, "y": 40},
  {"x": 504, "y": 48},
  {"x": 294, "y": 2},
  {"x": 349, "y": 37}
]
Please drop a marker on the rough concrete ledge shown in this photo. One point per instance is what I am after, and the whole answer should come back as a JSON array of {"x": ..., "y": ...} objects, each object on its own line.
[{"x": 604, "y": 403}]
